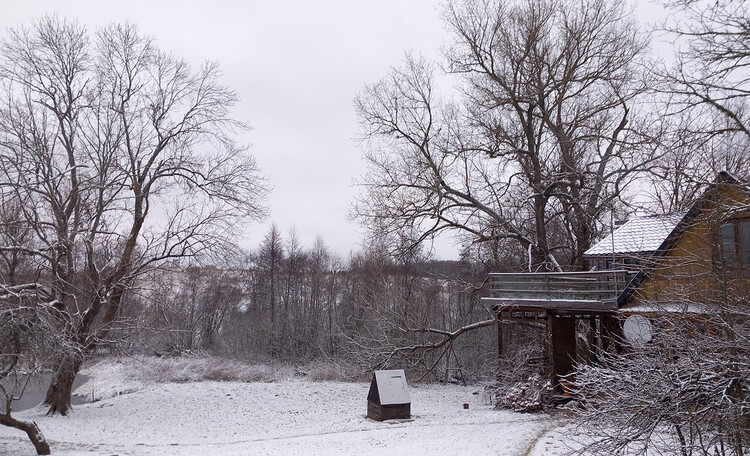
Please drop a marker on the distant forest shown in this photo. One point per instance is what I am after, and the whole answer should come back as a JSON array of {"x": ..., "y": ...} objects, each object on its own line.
[{"x": 285, "y": 302}]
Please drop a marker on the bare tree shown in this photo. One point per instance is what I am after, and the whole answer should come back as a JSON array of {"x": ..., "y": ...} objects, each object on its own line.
[
  {"x": 712, "y": 56},
  {"x": 707, "y": 88},
  {"x": 270, "y": 258},
  {"x": 123, "y": 157},
  {"x": 407, "y": 311},
  {"x": 696, "y": 153},
  {"x": 548, "y": 133},
  {"x": 29, "y": 341}
]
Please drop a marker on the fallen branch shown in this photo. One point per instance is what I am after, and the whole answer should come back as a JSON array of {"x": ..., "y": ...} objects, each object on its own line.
[
  {"x": 29, "y": 427},
  {"x": 448, "y": 338}
]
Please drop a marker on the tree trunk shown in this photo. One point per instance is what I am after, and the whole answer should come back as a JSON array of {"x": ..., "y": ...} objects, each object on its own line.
[
  {"x": 31, "y": 429},
  {"x": 540, "y": 254},
  {"x": 59, "y": 392}
]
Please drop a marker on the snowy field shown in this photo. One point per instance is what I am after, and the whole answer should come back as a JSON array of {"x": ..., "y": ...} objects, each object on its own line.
[{"x": 287, "y": 417}]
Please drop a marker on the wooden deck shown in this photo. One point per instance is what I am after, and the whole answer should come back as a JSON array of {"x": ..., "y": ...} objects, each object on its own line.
[{"x": 588, "y": 292}]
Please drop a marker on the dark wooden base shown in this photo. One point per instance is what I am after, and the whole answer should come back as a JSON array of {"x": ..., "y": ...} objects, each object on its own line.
[{"x": 388, "y": 412}]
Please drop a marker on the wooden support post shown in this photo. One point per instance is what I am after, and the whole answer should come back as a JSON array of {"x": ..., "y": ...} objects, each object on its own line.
[
  {"x": 593, "y": 341},
  {"x": 603, "y": 335},
  {"x": 610, "y": 333},
  {"x": 562, "y": 333},
  {"x": 499, "y": 336},
  {"x": 549, "y": 343}
]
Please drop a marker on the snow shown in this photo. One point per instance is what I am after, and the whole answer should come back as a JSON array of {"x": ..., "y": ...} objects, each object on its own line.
[
  {"x": 666, "y": 307},
  {"x": 638, "y": 235},
  {"x": 288, "y": 417}
]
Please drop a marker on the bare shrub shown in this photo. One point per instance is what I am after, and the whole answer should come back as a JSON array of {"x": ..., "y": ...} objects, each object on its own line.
[
  {"x": 530, "y": 396},
  {"x": 520, "y": 371},
  {"x": 683, "y": 393},
  {"x": 110, "y": 377},
  {"x": 206, "y": 368},
  {"x": 330, "y": 370}
]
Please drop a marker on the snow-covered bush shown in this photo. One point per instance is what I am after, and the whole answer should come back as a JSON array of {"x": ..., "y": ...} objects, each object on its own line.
[
  {"x": 206, "y": 368},
  {"x": 530, "y": 396},
  {"x": 684, "y": 393},
  {"x": 109, "y": 377},
  {"x": 520, "y": 374}
]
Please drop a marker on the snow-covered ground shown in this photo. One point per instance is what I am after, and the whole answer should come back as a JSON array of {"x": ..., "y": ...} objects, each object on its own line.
[{"x": 287, "y": 417}]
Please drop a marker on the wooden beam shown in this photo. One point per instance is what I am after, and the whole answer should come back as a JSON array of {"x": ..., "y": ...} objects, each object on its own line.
[
  {"x": 562, "y": 345},
  {"x": 554, "y": 304},
  {"x": 593, "y": 340},
  {"x": 499, "y": 338}
]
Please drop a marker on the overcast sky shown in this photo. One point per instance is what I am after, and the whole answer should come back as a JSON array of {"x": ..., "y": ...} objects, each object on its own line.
[{"x": 297, "y": 66}]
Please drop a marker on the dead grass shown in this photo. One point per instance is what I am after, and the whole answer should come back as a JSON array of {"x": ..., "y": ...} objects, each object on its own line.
[
  {"x": 198, "y": 368},
  {"x": 329, "y": 370}
]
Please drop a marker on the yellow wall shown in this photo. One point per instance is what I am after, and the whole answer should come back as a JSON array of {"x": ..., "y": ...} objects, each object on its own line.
[{"x": 691, "y": 272}]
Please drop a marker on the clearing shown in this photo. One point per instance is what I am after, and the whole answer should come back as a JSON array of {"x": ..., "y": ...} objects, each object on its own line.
[{"x": 287, "y": 417}]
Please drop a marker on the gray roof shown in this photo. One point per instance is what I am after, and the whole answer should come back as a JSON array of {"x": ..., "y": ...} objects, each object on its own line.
[
  {"x": 638, "y": 235},
  {"x": 392, "y": 387}
]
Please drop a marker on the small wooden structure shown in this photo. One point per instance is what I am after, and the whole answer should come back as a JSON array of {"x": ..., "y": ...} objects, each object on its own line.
[
  {"x": 388, "y": 398},
  {"x": 558, "y": 300}
]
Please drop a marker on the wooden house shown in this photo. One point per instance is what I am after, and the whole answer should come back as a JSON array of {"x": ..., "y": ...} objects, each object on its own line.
[
  {"x": 692, "y": 262},
  {"x": 388, "y": 398}
]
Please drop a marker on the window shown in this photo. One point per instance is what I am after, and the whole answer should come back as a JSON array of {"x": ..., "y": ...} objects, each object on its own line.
[{"x": 735, "y": 242}]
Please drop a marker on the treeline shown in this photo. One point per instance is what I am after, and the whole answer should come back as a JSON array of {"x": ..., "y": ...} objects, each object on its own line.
[{"x": 283, "y": 301}]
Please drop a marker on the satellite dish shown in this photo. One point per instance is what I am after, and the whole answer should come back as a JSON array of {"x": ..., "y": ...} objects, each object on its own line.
[{"x": 637, "y": 329}]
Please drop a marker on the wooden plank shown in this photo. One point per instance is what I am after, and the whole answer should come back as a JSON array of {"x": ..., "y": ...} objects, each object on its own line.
[
  {"x": 610, "y": 288},
  {"x": 555, "y": 289},
  {"x": 518, "y": 313},
  {"x": 556, "y": 292},
  {"x": 582, "y": 282},
  {"x": 492, "y": 298},
  {"x": 560, "y": 277},
  {"x": 566, "y": 292},
  {"x": 547, "y": 274},
  {"x": 550, "y": 302},
  {"x": 498, "y": 284},
  {"x": 539, "y": 304}
]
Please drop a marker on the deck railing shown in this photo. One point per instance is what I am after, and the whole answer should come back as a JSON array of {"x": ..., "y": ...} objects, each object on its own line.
[{"x": 574, "y": 291}]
